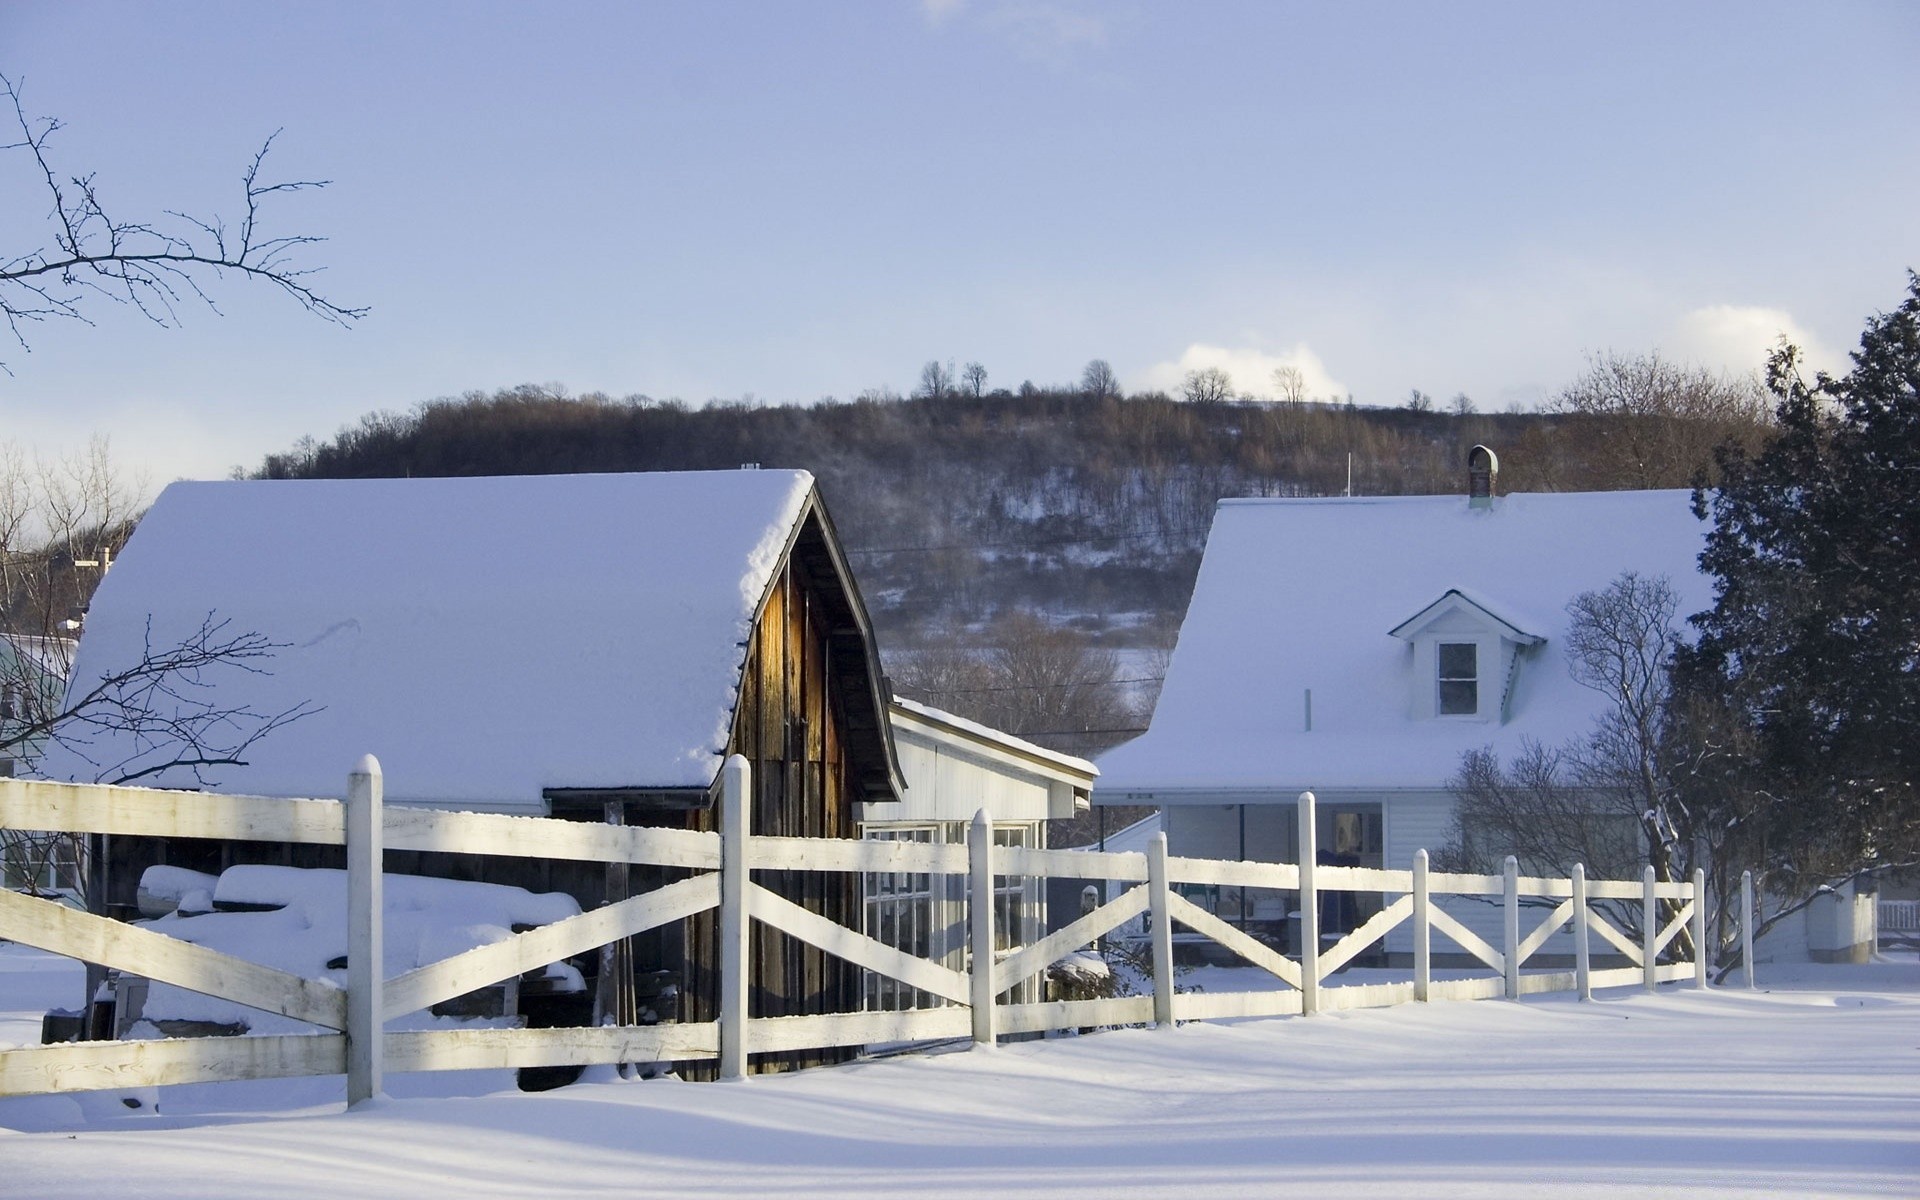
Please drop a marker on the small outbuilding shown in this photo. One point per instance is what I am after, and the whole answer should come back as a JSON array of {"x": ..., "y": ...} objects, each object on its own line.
[{"x": 583, "y": 646}]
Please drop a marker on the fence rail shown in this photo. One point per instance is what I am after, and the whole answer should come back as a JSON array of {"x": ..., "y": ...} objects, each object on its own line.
[{"x": 970, "y": 999}]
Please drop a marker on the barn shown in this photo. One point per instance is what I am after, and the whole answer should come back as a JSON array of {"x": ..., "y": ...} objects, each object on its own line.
[{"x": 581, "y": 646}]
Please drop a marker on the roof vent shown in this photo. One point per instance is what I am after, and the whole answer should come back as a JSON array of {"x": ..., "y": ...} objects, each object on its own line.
[{"x": 1483, "y": 473}]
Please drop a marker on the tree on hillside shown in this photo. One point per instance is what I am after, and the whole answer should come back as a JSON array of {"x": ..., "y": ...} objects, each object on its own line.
[
  {"x": 936, "y": 380},
  {"x": 1656, "y": 423},
  {"x": 1099, "y": 381},
  {"x": 974, "y": 376},
  {"x": 90, "y": 252},
  {"x": 1290, "y": 385},
  {"x": 1807, "y": 661},
  {"x": 1208, "y": 385}
]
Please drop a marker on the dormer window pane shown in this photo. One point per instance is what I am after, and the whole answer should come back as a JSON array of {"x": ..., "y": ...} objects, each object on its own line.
[{"x": 1459, "y": 678}]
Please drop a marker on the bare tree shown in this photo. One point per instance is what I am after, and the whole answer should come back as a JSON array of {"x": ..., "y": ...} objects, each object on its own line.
[
  {"x": 974, "y": 376},
  {"x": 1099, "y": 381},
  {"x": 1655, "y": 423},
  {"x": 1208, "y": 385},
  {"x": 61, "y": 524},
  {"x": 1461, "y": 405},
  {"x": 151, "y": 264},
  {"x": 1290, "y": 385},
  {"x": 1607, "y": 800},
  {"x": 1419, "y": 401},
  {"x": 1027, "y": 676},
  {"x": 936, "y": 380}
]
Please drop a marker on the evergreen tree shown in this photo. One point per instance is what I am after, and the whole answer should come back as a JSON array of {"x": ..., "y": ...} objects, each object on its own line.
[{"x": 1806, "y": 674}]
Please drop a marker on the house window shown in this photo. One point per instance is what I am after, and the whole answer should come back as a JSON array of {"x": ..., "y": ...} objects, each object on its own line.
[
  {"x": 1459, "y": 678},
  {"x": 902, "y": 912}
]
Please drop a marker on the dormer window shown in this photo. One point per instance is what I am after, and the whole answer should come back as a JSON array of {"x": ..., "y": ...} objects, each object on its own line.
[
  {"x": 1465, "y": 658},
  {"x": 1459, "y": 679}
]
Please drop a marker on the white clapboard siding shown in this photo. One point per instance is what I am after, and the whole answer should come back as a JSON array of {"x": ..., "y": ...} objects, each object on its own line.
[
  {"x": 151, "y": 812},
  {"x": 874, "y": 856},
  {"x": 489, "y": 964},
  {"x": 92, "y": 1066},
  {"x": 1186, "y": 912},
  {"x": 773, "y": 1034},
  {"x": 45, "y": 925},
  {"x": 1031, "y": 959},
  {"x": 569, "y": 1046},
  {"x": 856, "y": 948}
]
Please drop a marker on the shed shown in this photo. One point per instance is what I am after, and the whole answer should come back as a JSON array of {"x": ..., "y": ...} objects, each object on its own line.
[{"x": 587, "y": 646}]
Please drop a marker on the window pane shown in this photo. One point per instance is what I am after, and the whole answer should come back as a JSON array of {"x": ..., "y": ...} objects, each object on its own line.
[
  {"x": 1459, "y": 660},
  {"x": 1459, "y": 697}
]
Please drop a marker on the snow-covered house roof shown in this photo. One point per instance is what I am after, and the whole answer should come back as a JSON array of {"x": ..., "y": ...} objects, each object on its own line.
[
  {"x": 1350, "y": 600},
  {"x": 488, "y": 639}
]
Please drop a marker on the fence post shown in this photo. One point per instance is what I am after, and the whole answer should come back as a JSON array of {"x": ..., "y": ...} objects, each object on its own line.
[
  {"x": 1649, "y": 929},
  {"x": 1162, "y": 930},
  {"x": 1422, "y": 930},
  {"x": 366, "y": 948},
  {"x": 1309, "y": 911},
  {"x": 1582, "y": 958},
  {"x": 1510, "y": 925},
  {"x": 736, "y": 984},
  {"x": 980, "y": 921},
  {"x": 1746, "y": 926},
  {"x": 1699, "y": 927}
]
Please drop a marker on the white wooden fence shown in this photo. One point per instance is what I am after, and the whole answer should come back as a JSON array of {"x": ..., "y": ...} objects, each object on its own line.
[{"x": 357, "y": 1045}]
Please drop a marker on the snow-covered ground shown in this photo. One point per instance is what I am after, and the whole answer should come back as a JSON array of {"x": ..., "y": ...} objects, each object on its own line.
[{"x": 1808, "y": 1087}]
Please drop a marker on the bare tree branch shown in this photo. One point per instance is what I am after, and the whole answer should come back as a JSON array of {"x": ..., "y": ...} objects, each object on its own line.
[{"x": 94, "y": 253}]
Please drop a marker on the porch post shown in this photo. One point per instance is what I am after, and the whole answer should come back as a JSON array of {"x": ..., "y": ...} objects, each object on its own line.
[{"x": 366, "y": 949}]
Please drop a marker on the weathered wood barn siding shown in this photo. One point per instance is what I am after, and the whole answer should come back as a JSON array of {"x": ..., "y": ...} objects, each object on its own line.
[{"x": 791, "y": 724}]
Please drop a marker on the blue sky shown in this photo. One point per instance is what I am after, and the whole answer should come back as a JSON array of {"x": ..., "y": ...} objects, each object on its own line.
[{"x": 799, "y": 200}]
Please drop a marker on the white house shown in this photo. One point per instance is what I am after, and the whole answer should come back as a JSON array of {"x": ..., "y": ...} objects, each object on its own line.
[{"x": 1358, "y": 647}]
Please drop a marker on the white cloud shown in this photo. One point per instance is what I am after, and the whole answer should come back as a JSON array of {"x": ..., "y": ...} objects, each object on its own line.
[
  {"x": 1737, "y": 339},
  {"x": 1252, "y": 370}
]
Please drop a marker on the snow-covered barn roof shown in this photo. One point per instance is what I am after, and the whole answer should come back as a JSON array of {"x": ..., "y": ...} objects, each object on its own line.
[
  {"x": 486, "y": 638},
  {"x": 1299, "y": 595}
]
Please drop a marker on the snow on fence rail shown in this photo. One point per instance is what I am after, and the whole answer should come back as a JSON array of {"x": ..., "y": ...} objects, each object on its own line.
[{"x": 355, "y": 1016}]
